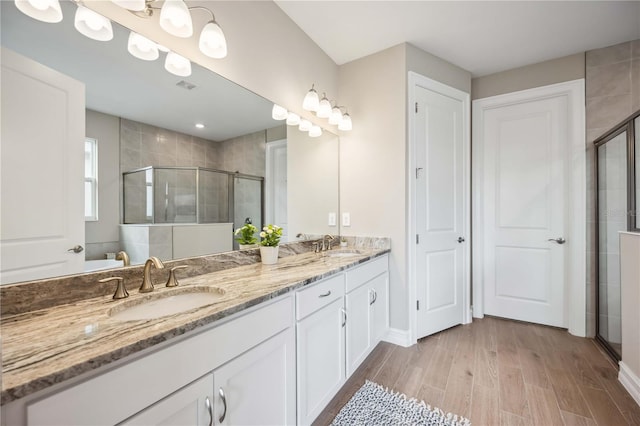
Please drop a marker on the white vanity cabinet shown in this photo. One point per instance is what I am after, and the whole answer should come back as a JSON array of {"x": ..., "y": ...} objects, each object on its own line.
[
  {"x": 320, "y": 331},
  {"x": 367, "y": 308},
  {"x": 251, "y": 357}
]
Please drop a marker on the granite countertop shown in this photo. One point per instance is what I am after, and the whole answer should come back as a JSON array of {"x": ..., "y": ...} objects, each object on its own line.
[{"x": 48, "y": 346}]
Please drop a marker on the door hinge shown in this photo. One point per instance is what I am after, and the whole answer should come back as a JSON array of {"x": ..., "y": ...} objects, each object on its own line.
[
  {"x": 416, "y": 107},
  {"x": 417, "y": 238},
  {"x": 417, "y": 305}
]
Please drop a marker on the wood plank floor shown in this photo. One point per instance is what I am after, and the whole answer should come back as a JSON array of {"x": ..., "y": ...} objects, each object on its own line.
[{"x": 501, "y": 372}]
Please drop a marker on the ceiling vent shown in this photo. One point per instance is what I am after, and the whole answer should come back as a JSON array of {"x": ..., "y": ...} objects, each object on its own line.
[{"x": 185, "y": 85}]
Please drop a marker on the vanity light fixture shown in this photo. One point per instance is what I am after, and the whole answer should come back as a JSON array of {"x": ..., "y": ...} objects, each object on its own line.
[
  {"x": 212, "y": 41},
  {"x": 142, "y": 48},
  {"x": 293, "y": 119},
  {"x": 311, "y": 101},
  {"x": 178, "y": 65},
  {"x": 43, "y": 10},
  {"x": 336, "y": 115},
  {"x": 92, "y": 24},
  {"x": 315, "y": 131},
  {"x": 305, "y": 125},
  {"x": 176, "y": 19},
  {"x": 278, "y": 112},
  {"x": 345, "y": 124},
  {"x": 324, "y": 108}
]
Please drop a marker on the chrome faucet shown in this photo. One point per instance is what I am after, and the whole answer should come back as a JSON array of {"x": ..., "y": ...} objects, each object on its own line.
[
  {"x": 147, "y": 283},
  {"x": 326, "y": 242}
]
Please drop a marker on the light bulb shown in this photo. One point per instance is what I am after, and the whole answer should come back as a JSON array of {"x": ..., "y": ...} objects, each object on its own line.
[
  {"x": 278, "y": 112},
  {"x": 212, "y": 41},
  {"x": 142, "y": 48},
  {"x": 293, "y": 119},
  {"x": 92, "y": 24},
  {"x": 305, "y": 125},
  {"x": 324, "y": 109},
  {"x": 135, "y": 5},
  {"x": 177, "y": 65},
  {"x": 311, "y": 101},
  {"x": 336, "y": 116},
  {"x": 176, "y": 19},
  {"x": 345, "y": 124},
  {"x": 42, "y": 10},
  {"x": 315, "y": 131}
]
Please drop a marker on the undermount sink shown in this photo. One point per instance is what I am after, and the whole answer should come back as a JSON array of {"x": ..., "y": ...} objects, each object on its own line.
[
  {"x": 343, "y": 253},
  {"x": 163, "y": 304}
]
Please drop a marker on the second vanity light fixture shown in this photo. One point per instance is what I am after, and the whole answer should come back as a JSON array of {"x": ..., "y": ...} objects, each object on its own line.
[
  {"x": 175, "y": 19},
  {"x": 323, "y": 109}
]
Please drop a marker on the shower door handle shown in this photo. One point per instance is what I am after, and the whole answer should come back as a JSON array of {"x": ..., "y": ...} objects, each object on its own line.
[{"x": 558, "y": 240}]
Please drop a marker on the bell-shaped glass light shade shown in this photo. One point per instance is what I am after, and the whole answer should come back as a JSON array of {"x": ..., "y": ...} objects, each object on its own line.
[
  {"x": 92, "y": 24},
  {"x": 345, "y": 124},
  {"x": 135, "y": 5},
  {"x": 336, "y": 116},
  {"x": 178, "y": 65},
  {"x": 293, "y": 119},
  {"x": 42, "y": 10},
  {"x": 212, "y": 41},
  {"x": 324, "y": 109},
  {"x": 142, "y": 48},
  {"x": 311, "y": 101},
  {"x": 315, "y": 131},
  {"x": 176, "y": 19},
  {"x": 305, "y": 125},
  {"x": 279, "y": 113}
]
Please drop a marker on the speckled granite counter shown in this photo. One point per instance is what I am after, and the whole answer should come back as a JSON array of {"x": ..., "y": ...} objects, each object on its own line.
[{"x": 48, "y": 346}]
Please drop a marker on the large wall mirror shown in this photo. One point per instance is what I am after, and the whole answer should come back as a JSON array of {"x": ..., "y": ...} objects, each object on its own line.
[{"x": 241, "y": 165}]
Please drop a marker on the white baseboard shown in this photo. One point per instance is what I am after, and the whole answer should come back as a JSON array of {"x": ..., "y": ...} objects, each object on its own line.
[
  {"x": 630, "y": 381},
  {"x": 398, "y": 337}
]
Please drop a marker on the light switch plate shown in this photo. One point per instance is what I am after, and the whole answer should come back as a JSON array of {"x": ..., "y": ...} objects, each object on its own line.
[
  {"x": 346, "y": 219},
  {"x": 332, "y": 219}
]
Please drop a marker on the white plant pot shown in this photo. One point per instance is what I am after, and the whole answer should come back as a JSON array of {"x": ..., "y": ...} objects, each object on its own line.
[
  {"x": 269, "y": 255},
  {"x": 247, "y": 246}
]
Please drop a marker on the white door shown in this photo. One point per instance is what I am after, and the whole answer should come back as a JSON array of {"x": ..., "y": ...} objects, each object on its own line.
[
  {"x": 440, "y": 208},
  {"x": 276, "y": 185},
  {"x": 42, "y": 171},
  {"x": 524, "y": 210}
]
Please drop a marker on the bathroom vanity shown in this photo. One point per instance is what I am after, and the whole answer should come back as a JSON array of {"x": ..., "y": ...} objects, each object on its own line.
[{"x": 274, "y": 348}]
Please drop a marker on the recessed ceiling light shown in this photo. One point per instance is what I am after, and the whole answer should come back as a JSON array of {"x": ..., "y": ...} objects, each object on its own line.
[{"x": 200, "y": 125}]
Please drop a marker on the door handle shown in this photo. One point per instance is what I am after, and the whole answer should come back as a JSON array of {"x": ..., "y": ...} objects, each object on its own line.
[
  {"x": 558, "y": 240},
  {"x": 76, "y": 249},
  {"x": 460, "y": 239}
]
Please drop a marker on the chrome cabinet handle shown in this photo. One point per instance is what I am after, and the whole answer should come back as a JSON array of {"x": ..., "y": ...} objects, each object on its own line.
[
  {"x": 76, "y": 249},
  {"x": 207, "y": 404},
  {"x": 375, "y": 296},
  {"x": 328, "y": 293},
  {"x": 344, "y": 317},
  {"x": 224, "y": 404},
  {"x": 558, "y": 240}
]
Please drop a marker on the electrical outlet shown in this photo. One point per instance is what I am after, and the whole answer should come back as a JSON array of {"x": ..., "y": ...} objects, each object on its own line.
[
  {"x": 332, "y": 219},
  {"x": 346, "y": 219}
]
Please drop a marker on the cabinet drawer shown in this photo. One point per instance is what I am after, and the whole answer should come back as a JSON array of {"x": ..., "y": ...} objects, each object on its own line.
[
  {"x": 366, "y": 272},
  {"x": 318, "y": 295}
]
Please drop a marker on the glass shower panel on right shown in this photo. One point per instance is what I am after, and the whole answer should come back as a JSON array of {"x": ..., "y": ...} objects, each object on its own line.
[{"x": 612, "y": 218}]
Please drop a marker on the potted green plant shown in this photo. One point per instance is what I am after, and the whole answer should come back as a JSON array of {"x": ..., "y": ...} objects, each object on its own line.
[
  {"x": 269, "y": 244},
  {"x": 246, "y": 236}
]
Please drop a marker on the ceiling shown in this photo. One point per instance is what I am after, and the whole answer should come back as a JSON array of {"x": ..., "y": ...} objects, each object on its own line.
[
  {"x": 482, "y": 37},
  {"x": 118, "y": 84}
]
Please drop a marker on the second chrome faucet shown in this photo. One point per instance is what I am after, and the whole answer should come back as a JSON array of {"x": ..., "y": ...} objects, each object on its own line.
[{"x": 147, "y": 283}]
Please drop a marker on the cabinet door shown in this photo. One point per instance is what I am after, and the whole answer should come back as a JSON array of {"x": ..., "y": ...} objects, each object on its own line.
[
  {"x": 258, "y": 387},
  {"x": 379, "y": 289},
  {"x": 188, "y": 406},
  {"x": 321, "y": 359},
  {"x": 358, "y": 326}
]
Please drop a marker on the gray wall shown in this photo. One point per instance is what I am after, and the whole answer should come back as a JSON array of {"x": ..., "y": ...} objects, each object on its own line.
[
  {"x": 535, "y": 75},
  {"x": 612, "y": 94},
  {"x": 102, "y": 236}
]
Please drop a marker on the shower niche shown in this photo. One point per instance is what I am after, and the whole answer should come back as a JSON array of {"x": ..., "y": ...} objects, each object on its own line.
[{"x": 176, "y": 212}]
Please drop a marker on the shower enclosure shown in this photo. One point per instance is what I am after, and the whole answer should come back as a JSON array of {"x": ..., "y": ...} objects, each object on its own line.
[
  {"x": 179, "y": 195},
  {"x": 617, "y": 173}
]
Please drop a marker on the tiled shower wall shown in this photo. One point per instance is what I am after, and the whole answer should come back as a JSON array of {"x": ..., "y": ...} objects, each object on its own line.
[{"x": 612, "y": 94}]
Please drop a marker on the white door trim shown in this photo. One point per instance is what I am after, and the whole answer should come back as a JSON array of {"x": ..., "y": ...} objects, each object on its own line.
[
  {"x": 268, "y": 178},
  {"x": 575, "y": 274},
  {"x": 417, "y": 80}
]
